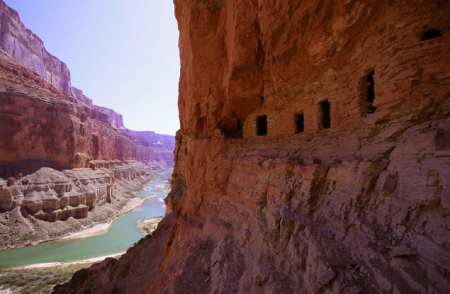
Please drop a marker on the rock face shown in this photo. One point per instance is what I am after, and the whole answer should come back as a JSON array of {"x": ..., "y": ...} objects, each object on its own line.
[
  {"x": 38, "y": 131},
  {"x": 81, "y": 97},
  {"x": 114, "y": 119},
  {"x": 29, "y": 50},
  {"x": 51, "y": 195},
  {"x": 313, "y": 156},
  {"x": 162, "y": 145},
  {"x": 49, "y": 204}
]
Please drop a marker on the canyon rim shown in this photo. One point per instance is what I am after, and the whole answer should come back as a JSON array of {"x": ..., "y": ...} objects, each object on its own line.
[{"x": 313, "y": 154}]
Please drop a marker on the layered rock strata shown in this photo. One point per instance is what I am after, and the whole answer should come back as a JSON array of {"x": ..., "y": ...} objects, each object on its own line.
[
  {"x": 42, "y": 126},
  {"x": 28, "y": 49},
  {"x": 313, "y": 155},
  {"x": 52, "y": 195},
  {"x": 114, "y": 119},
  {"x": 62, "y": 133},
  {"x": 67, "y": 199},
  {"x": 162, "y": 145}
]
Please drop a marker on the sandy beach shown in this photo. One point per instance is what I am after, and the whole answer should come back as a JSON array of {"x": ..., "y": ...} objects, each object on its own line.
[
  {"x": 149, "y": 225},
  {"x": 90, "y": 260},
  {"x": 93, "y": 231},
  {"x": 89, "y": 232},
  {"x": 99, "y": 229}
]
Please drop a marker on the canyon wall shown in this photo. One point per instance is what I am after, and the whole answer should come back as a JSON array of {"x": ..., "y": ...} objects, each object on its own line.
[
  {"x": 313, "y": 155},
  {"x": 27, "y": 48},
  {"x": 162, "y": 145},
  {"x": 49, "y": 204},
  {"x": 39, "y": 131},
  {"x": 114, "y": 119},
  {"x": 81, "y": 97},
  {"x": 52, "y": 195},
  {"x": 44, "y": 121}
]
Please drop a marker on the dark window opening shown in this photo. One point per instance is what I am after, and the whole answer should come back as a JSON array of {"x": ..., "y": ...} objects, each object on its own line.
[
  {"x": 326, "y": 119},
  {"x": 299, "y": 123},
  {"x": 370, "y": 91},
  {"x": 261, "y": 125},
  {"x": 431, "y": 34}
]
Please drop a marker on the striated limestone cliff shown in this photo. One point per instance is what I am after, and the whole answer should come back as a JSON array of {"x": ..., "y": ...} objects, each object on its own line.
[
  {"x": 50, "y": 203},
  {"x": 28, "y": 49},
  {"x": 114, "y": 119},
  {"x": 41, "y": 125},
  {"x": 37, "y": 130},
  {"x": 162, "y": 145},
  {"x": 313, "y": 155}
]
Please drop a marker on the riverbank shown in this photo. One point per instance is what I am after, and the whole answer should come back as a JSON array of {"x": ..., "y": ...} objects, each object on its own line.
[
  {"x": 37, "y": 279},
  {"x": 49, "y": 264},
  {"x": 100, "y": 239},
  {"x": 88, "y": 262},
  {"x": 148, "y": 225},
  {"x": 18, "y": 230},
  {"x": 99, "y": 229}
]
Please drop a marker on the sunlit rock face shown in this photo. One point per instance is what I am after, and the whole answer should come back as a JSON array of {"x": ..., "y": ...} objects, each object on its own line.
[
  {"x": 114, "y": 119},
  {"x": 23, "y": 45},
  {"x": 313, "y": 155},
  {"x": 81, "y": 97},
  {"x": 41, "y": 123},
  {"x": 38, "y": 131},
  {"x": 162, "y": 145},
  {"x": 52, "y": 195}
]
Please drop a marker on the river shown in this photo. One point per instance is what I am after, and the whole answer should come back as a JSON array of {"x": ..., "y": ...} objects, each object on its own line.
[{"x": 122, "y": 234}]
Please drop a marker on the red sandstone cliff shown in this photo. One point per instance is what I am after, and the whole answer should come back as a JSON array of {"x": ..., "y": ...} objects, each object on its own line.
[
  {"x": 313, "y": 155},
  {"x": 49, "y": 204},
  {"x": 28, "y": 50},
  {"x": 42, "y": 123},
  {"x": 44, "y": 127},
  {"x": 162, "y": 145}
]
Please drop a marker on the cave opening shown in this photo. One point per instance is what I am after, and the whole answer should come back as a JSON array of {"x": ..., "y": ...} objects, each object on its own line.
[
  {"x": 370, "y": 97},
  {"x": 232, "y": 127},
  {"x": 299, "y": 123},
  {"x": 261, "y": 125},
  {"x": 326, "y": 119},
  {"x": 431, "y": 34}
]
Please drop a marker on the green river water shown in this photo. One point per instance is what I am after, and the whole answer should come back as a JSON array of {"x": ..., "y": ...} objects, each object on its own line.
[{"x": 122, "y": 235}]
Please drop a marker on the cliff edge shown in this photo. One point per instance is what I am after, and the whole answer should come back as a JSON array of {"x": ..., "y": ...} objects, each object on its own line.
[{"x": 313, "y": 155}]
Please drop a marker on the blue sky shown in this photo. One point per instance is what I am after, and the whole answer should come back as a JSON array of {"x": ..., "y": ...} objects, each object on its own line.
[{"x": 123, "y": 54}]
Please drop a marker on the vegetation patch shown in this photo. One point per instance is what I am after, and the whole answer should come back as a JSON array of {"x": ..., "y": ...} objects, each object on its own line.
[{"x": 37, "y": 280}]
